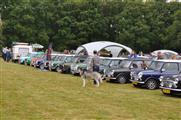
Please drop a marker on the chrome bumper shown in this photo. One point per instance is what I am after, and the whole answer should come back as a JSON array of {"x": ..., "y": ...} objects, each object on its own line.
[
  {"x": 137, "y": 82},
  {"x": 172, "y": 89}
]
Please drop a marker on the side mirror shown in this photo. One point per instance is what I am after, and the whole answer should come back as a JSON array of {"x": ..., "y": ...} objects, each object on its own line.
[{"x": 163, "y": 70}]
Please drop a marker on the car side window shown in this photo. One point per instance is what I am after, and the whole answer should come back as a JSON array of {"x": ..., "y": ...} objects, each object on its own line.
[
  {"x": 137, "y": 64},
  {"x": 81, "y": 61},
  {"x": 114, "y": 63},
  {"x": 170, "y": 67}
]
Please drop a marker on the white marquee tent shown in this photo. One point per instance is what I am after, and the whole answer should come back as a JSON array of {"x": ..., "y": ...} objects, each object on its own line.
[
  {"x": 37, "y": 45},
  {"x": 115, "y": 48},
  {"x": 166, "y": 54}
]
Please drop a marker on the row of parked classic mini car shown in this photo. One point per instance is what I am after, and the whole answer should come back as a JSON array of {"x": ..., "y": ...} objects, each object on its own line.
[{"x": 141, "y": 71}]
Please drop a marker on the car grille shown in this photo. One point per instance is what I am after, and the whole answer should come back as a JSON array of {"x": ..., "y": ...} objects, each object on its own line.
[
  {"x": 134, "y": 77},
  {"x": 168, "y": 84}
]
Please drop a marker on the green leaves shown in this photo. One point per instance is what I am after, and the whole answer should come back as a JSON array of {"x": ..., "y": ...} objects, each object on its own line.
[{"x": 143, "y": 26}]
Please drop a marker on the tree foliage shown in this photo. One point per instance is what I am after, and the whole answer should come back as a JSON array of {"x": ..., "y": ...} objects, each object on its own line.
[{"x": 143, "y": 26}]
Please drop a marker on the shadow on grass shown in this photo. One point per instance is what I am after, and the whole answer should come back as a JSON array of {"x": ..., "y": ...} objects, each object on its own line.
[{"x": 172, "y": 95}]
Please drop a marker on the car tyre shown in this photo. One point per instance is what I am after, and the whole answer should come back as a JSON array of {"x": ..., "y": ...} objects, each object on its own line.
[
  {"x": 58, "y": 69},
  {"x": 151, "y": 84},
  {"x": 25, "y": 62},
  {"x": 121, "y": 79},
  {"x": 50, "y": 69},
  {"x": 42, "y": 66},
  {"x": 34, "y": 65}
]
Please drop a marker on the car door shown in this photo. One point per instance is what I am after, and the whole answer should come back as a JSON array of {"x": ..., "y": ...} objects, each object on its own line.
[{"x": 169, "y": 69}]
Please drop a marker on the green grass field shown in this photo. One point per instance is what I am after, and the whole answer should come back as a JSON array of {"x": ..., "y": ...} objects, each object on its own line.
[{"x": 30, "y": 94}]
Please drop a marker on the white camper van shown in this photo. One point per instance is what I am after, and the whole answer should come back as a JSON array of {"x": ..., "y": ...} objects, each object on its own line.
[{"x": 20, "y": 49}]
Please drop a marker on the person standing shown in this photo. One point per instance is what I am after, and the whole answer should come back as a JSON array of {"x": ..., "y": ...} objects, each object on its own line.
[
  {"x": 95, "y": 61},
  {"x": 133, "y": 55},
  {"x": 4, "y": 51},
  {"x": 8, "y": 55}
]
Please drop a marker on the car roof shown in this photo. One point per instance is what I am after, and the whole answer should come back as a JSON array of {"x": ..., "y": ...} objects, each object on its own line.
[
  {"x": 69, "y": 55},
  {"x": 145, "y": 59},
  {"x": 113, "y": 58},
  {"x": 166, "y": 60}
]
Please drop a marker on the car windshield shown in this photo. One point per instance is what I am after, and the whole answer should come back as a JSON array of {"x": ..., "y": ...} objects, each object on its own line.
[
  {"x": 125, "y": 64},
  {"x": 79, "y": 59},
  {"x": 54, "y": 58},
  {"x": 88, "y": 60},
  {"x": 115, "y": 62},
  {"x": 33, "y": 55},
  {"x": 105, "y": 62},
  {"x": 57, "y": 58},
  {"x": 44, "y": 57},
  {"x": 69, "y": 59},
  {"x": 76, "y": 59},
  {"x": 37, "y": 55},
  {"x": 156, "y": 65}
]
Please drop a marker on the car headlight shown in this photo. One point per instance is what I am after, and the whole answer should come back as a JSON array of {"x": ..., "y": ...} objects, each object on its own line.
[
  {"x": 170, "y": 85},
  {"x": 55, "y": 64},
  {"x": 176, "y": 79},
  {"x": 76, "y": 67},
  {"x": 132, "y": 73},
  {"x": 112, "y": 72},
  {"x": 161, "y": 84},
  {"x": 104, "y": 71},
  {"x": 140, "y": 75},
  {"x": 161, "y": 78},
  {"x": 51, "y": 64}
]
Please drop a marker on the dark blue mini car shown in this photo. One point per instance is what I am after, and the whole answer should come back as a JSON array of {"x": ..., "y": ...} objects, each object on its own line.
[
  {"x": 150, "y": 78},
  {"x": 171, "y": 85}
]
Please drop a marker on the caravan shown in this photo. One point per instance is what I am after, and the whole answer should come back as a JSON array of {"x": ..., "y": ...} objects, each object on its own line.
[{"x": 20, "y": 49}]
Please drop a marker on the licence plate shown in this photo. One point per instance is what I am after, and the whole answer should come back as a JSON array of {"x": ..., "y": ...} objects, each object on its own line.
[{"x": 166, "y": 91}]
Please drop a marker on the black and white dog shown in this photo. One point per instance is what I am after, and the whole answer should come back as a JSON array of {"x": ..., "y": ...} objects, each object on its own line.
[{"x": 95, "y": 76}]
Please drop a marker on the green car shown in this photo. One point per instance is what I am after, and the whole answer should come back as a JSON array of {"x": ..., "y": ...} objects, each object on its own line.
[
  {"x": 31, "y": 56},
  {"x": 57, "y": 64},
  {"x": 66, "y": 67},
  {"x": 82, "y": 62}
]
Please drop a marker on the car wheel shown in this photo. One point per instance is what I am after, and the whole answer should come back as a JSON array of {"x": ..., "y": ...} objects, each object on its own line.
[
  {"x": 151, "y": 84},
  {"x": 25, "y": 63},
  {"x": 50, "y": 69},
  {"x": 121, "y": 79},
  {"x": 42, "y": 66},
  {"x": 58, "y": 69},
  {"x": 34, "y": 65}
]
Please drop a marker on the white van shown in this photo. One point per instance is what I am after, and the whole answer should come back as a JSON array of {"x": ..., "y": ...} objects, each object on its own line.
[{"x": 20, "y": 49}]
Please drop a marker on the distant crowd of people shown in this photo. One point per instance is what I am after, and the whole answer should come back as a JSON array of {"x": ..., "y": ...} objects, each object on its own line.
[
  {"x": 157, "y": 56},
  {"x": 6, "y": 54}
]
